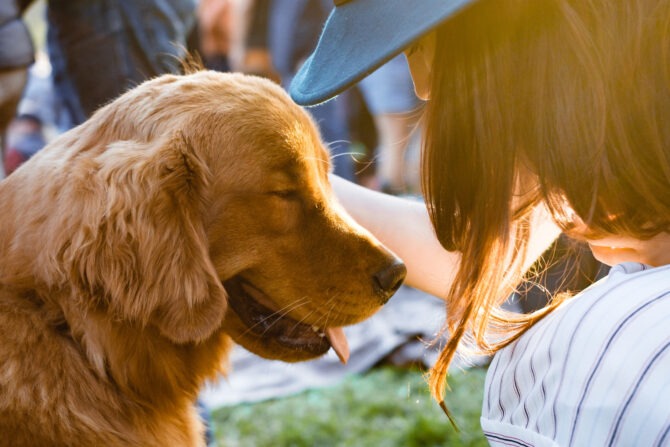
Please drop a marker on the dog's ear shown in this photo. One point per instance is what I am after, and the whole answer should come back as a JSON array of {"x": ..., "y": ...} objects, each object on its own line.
[{"x": 145, "y": 256}]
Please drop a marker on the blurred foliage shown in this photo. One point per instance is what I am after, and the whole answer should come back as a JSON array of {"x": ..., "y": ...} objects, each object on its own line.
[{"x": 386, "y": 407}]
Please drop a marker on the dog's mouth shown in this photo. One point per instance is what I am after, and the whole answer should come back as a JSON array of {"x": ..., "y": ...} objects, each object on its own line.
[{"x": 263, "y": 319}]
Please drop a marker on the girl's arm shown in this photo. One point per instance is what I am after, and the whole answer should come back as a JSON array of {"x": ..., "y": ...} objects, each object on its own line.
[{"x": 404, "y": 227}]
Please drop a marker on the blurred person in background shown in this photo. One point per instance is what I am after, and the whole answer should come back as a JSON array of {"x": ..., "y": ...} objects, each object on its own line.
[
  {"x": 40, "y": 117},
  {"x": 16, "y": 55},
  {"x": 215, "y": 31},
  {"x": 389, "y": 96},
  {"x": 96, "y": 50},
  {"x": 25, "y": 137},
  {"x": 288, "y": 30},
  {"x": 99, "y": 49}
]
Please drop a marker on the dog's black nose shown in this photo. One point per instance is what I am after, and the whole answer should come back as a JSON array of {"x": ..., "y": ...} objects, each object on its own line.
[{"x": 389, "y": 279}]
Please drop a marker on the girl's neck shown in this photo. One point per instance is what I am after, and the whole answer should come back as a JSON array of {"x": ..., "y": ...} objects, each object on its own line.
[{"x": 613, "y": 250}]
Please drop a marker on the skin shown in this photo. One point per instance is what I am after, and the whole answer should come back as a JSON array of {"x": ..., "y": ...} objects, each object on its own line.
[
  {"x": 404, "y": 227},
  {"x": 419, "y": 57},
  {"x": 614, "y": 249}
]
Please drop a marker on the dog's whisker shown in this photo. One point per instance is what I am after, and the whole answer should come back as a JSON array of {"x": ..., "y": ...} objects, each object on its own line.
[
  {"x": 330, "y": 310},
  {"x": 291, "y": 306},
  {"x": 331, "y": 143},
  {"x": 305, "y": 317},
  {"x": 352, "y": 154},
  {"x": 288, "y": 309},
  {"x": 281, "y": 313},
  {"x": 330, "y": 305}
]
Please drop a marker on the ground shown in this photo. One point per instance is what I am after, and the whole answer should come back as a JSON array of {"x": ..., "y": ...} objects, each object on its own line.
[{"x": 386, "y": 407}]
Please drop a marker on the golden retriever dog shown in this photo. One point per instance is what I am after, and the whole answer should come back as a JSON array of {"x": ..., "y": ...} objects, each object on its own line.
[{"x": 191, "y": 212}]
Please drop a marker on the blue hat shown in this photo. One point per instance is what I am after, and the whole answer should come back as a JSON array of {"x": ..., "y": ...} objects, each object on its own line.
[{"x": 359, "y": 37}]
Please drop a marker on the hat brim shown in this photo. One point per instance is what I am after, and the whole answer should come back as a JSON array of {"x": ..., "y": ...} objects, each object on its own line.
[{"x": 359, "y": 37}]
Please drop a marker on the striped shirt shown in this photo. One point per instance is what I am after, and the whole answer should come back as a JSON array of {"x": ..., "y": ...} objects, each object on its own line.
[{"x": 595, "y": 372}]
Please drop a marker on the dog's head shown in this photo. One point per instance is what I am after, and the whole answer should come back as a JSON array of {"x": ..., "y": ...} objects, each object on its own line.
[{"x": 201, "y": 203}]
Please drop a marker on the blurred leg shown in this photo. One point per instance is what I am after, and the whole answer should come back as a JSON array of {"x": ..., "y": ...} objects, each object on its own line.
[
  {"x": 394, "y": 135},
  {"x": 12, "y": 83},
  {"x": 389, "y": 95}
]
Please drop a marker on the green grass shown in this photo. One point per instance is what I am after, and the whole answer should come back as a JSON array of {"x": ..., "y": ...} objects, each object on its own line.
[{"x": 387, "y": 407}]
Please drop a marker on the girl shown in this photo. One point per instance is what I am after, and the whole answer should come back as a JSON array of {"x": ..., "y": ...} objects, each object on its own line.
[{"x": 536, "y": 107}]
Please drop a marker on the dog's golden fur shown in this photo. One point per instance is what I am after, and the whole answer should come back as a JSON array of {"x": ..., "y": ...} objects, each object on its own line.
[{"x": 125, "y": 243}]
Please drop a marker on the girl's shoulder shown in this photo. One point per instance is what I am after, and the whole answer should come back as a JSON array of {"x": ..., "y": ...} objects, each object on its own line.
[
  {"x": 632, "y": 303},
  {"x": 594, "y": 369},
  {"x": 629, "y": 291}
]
